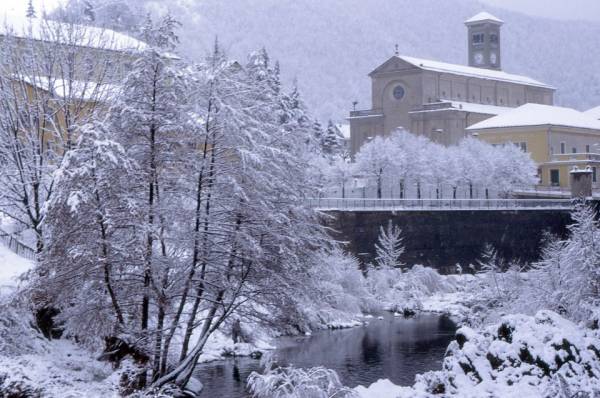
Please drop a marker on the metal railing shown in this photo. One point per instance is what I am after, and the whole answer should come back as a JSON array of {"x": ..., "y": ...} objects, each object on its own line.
[
  {"x": 366, "y": 112},
  {"x": 552, "y": 191},
  {"x": 438, "y": 204},
  {"x": 17, "y": 246}
]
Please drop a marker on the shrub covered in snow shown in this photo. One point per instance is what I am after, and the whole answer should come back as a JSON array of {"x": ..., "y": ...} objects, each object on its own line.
[
  {"x": 399, "y": 291},
  {"x": 335, "y": 293},
  {"x": 532, "y": 356},
  {"x": 290, "y": 382},
  {"x": 566, "y": 279},
  {"x": 541, "y": 356}
]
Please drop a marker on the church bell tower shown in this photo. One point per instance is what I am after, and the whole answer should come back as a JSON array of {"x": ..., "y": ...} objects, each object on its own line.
[{"x": 484, "y": 41}]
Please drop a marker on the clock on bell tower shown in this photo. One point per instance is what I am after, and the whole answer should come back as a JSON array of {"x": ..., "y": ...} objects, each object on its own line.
[{"x": 484, "y": 41}]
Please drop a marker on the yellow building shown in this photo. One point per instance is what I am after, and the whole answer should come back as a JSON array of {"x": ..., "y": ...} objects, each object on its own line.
[
  {"x": 557, "y": 138},
  {"x": 61, "y": 73}
]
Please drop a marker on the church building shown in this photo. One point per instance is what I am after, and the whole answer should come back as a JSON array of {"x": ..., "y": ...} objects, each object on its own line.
[{"x": 441, "y": 100}]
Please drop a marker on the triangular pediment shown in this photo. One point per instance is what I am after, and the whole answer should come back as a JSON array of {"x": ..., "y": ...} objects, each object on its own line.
[{"x": 394, "y": 64}]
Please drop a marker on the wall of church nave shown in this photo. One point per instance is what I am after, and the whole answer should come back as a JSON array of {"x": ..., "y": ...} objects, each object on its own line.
[
  {"x": 444, "y": 127},
  {"x": 361, "y": 129}
]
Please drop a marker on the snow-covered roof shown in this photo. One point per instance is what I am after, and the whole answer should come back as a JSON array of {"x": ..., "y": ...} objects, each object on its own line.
[
  {"x": 539, "y": 115},
  {"x": 594, "y": 112},
  {"x": 79, "y": 35},
  {"x": 344, "y": 129},
  {"x": 75, "y": 89},
  {"x": 483, "y": 17},
  {"x": 445, "y": 105},
  {"x": 471, "y": 71}
]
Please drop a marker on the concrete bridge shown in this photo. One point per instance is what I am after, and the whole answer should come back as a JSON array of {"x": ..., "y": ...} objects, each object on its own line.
[{"x": 443, "y": 233}]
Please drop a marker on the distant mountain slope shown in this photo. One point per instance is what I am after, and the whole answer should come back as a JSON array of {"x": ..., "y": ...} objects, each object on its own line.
[{"x": 331, "y": 45}]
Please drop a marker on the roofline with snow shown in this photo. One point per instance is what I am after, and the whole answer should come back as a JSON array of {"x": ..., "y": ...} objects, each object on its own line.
[
  {"x": 480, "y": 75},
  {"x": 528, "y": 127}
]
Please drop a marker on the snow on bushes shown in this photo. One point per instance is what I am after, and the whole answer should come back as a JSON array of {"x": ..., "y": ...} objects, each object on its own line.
[
  {"x": 338, "y": 294},
  {"x": 404, "y": 291},
  {"x": 290, "y": 382},
  {"x": 541, "y": 356},
  {"x": 536, "y": 356}
]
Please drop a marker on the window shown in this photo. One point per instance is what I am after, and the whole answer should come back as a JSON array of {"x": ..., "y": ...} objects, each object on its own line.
[
  {"x": 494, "y": 38},
  {"x": 574, "y": 150},
  {"x": 563, "y": 147},
  {"x": 554, "y": 177},
  {"x": 593, "y": 174},
  {"x": 523, "y": 146},
  {"x": 398, "y": 92},
  {"x": 478, "y": 38},
  {"x": 551, "y": 150},
  {"x": 587, "y": 148}
]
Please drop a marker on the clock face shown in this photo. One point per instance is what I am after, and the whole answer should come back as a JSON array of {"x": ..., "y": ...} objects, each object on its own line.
[
  {"x": 493, "y": 58},
  {"x": 478, "y": 58}
]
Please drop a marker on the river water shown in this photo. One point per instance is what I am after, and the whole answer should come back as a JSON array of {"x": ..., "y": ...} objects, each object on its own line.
[{"x": 394, "y": 348}]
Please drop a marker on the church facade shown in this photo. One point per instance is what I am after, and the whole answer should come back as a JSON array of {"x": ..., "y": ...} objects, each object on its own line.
[{"x": 441, "y": 100}]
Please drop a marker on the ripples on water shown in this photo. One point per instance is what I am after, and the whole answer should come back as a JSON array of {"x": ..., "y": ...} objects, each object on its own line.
[{"x": 393, "y": 348}]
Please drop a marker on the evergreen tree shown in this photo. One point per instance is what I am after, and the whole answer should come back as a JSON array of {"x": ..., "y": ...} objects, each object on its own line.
[
  {"x": 89, "y": 11},
  {"x": 332, "y": 141},
  {"x": 317, "y": 135},
  {"x": 389, "y": 247},
  {"x": 30, "y": 13}
]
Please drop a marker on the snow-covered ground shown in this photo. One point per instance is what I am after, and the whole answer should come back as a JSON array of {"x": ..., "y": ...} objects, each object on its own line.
[
  {"x": 518, "y": 355},
  {"x": 11, "y": 267},
  {"x": 29, "y": 363},
  {"x": 60, "y": 369}
]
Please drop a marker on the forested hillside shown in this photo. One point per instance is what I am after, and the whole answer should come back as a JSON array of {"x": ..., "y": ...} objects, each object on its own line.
[{"x": 330, "y": 46}]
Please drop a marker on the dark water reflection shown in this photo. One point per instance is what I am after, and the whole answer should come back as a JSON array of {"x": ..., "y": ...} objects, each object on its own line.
[{"x": 392, "y": 348}]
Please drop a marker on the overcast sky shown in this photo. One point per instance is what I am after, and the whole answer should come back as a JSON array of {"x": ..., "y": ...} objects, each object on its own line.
[
  {"x": 562, "y": 9},
  {"x": 19, "y": 6}
]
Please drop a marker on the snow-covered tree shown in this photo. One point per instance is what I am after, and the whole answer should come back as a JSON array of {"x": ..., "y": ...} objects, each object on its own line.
[
  {"x": 338, "y": 174},
  {"x": 43, "y": 104},
  {"x": 375, "y": 161},
  {"x": 389, "y": 247},
  {"x": 89, "y": 250},
  {"x": 30, "y": 12},
  {"x": 569, "y": 269},
  {"x": 491, "y": 266},
  {"x": 259, "y": 234},
  {"x": 512, "y": 168},
  {"x": 332, "y": 141},
  {"x": 89, "y": 11}
]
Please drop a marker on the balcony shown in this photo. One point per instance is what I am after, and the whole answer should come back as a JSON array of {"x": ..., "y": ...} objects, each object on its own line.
[
  {"x": 568, "y": 157},
  {"x": 367, "y": 113}
]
